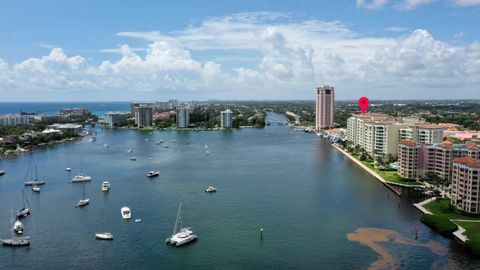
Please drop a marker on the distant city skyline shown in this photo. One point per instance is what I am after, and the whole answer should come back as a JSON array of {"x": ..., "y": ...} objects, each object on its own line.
[{"x": 249, "y": 50}]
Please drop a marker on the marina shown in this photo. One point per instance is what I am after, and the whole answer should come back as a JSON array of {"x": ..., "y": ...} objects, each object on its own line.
[{"x": 277, "y": 179}]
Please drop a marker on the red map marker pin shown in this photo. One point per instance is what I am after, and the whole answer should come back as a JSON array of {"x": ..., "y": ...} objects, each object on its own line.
[{"x": 363, "y": 103}]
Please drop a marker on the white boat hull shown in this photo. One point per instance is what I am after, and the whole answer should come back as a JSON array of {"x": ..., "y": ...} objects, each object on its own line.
[{"x": 104, "y": 236}]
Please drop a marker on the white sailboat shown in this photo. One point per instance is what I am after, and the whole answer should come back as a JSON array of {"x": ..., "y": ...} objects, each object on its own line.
[
  {"x": 83, "y": 201},
  {"x": 15, "y": 241},
  {"x": 104, "y": 235},
  {"x": 34, "y": 181},
  {"x": 25, "y": 211},
  {"x": 183, "y": 235},
  {"x": 81, "y": 177}
]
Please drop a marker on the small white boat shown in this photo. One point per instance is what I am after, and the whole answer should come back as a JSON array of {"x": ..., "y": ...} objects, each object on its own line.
[
  {"x": 83, "y": 202},
  {"x": 105, "y": 186},
  {"x": 2, "y": 172},
  {"x": 104, "y": 236},
  {"x": 146, "y": 140},
  {"x": 81, "y": 178},
  {"x": 211, "y": 189},
  {"x": 174, "y": 141},
  {"x": 126, "y": 213},
  {"x": 158, "y": 142},
  {"x": 206, "y": 146},
  {"x": 133, "y": 158},
  {"x": 18, "y": 227},
  {"x": 105, "y": 145},
  {"x": 207, "y": 153},
  {"x": 68, "y": 169},
  {"x": 25, "y": 211},
  {"x": 129, "y": 151},
  {"x": 36, "y": 188},
  {"x": 153, "y": 173},
  {"x": 138, "y": 220}
]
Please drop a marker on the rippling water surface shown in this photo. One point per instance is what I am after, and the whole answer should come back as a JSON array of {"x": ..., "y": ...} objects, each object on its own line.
[{"x": 304, "y": 193}]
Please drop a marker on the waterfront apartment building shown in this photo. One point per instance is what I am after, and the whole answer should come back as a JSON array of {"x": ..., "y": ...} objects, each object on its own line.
[
  {"x": 465, "y": 192},
  {"x": 143, "y": 115},
  {"x": 134, "y": 105},
  {"x": 183, "y": 117},
  {"x": 173, "y": 103},
  {"x": 115, "y": 119},
  {"x": 14, "y": 119},
  {"x": 226, "y": 118},
  {"x": 325, "y": 107},
  {"x": 416, "y": 160},
  {"x": 74, "y": 112}
]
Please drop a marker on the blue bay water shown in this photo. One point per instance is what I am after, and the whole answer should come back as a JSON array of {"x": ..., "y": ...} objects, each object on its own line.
[
  {"x": 306, "y": 195},
  {"x": 51, "y": 108}
]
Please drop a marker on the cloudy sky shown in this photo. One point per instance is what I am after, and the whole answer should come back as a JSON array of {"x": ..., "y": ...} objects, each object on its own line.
[{"x": 249, "y": 49}]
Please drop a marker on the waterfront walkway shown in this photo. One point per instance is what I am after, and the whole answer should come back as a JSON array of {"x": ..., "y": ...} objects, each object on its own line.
[{"x": 373, "y": 173}]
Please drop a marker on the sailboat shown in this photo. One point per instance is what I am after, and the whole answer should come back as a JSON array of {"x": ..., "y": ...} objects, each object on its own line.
[
  {"x": 34, "y": 181},
  {"x": 104, "y": 235},
  {"x": 182, "y": 236},
  {"x": 83, "y": 201},
  {"x": 81, "y": 177},
  {"x": 15, "y": 241},
  {"x": 25, "y": 211}
]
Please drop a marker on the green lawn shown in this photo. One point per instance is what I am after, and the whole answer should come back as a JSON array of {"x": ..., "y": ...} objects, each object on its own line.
[
  {"x": 472, "y": 231},
  {"x": 442, "y": 207},
  {"x": 391, "y": 176}
]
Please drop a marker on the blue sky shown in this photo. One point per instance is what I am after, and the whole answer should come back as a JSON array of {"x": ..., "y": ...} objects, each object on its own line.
[{"x": 131, "y": 50}]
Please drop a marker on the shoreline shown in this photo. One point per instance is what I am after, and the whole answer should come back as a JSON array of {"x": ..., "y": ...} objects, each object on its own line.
[
  {"x": 16, "y": 153},
  {"x": 374, "y": 174}
]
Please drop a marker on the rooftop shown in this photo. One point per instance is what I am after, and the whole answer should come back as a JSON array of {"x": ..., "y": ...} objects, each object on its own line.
[{"x": 464, "y": 160}]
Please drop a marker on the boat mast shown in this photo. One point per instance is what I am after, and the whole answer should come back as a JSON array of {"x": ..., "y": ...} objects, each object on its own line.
[{"x": 178, "y": 220}]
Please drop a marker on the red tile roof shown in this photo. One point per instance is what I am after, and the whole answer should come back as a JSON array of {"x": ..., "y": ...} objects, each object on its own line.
[
  {"x": 464, "y": 160},
  {"x": 409, "y": 143},
  {"x": 471, "y": 146}
]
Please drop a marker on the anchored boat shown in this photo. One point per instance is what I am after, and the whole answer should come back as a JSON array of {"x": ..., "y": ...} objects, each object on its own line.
[{"x": 183, "y": 235}]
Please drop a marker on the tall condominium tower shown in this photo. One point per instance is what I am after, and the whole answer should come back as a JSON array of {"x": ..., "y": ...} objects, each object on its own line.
[
  {"x": 226, "y": 118},
  {"x": 183, "y": 117},
  {"x": 325, "y": 107}
]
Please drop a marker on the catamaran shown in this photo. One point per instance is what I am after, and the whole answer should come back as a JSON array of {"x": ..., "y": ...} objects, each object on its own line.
[
  {"x": 25, "y": 211},
  {"x": 15, "y": 241},
  {"x": 81, "y": 177},
  {"x": 83, "y": 201},
  {"x": 34, "y": 181},
  {"x": 182, "y": 236}
]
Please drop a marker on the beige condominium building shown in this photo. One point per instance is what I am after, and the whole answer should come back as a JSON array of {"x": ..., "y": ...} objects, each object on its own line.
[
  {"x": 415, "y": 160},
  {"x": 465, "y": 184}
]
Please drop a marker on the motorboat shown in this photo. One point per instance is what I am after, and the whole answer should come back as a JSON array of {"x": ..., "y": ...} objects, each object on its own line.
[
  {"x": 146, "y": 139},
  {"x": 68, "y": 169},
  {"x": 207, "y": 153},
  {"x": 81, "y": 178},
  {"x": 166, "y": 146},
  {"x": 211, "y": 189},
  {"x": 153, "y": 173},
  {"x": 18, "y": 226},
  {"x": 129, "y": 151},
  {"x": 105, "y": 186},
  {"x": 138, "y": 220},
  {"x": 82, "y": 202},
  {"x": 182, "y": 236},
  {"x": 206, "y": 146},
  {"x": 133, "y": 158},
  {"x": 2, "y": 172},
  {"x": 105, "y": 145},
  {"x": 36, "y": 188},
  {"x": 25, "y": 211},
  {"x": 126, "y": 213},
  {"x": 104, "y": 236},
  {"x": 158, "y": 142}
]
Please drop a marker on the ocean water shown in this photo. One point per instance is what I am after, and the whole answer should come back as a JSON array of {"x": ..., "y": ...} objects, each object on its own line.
[
  {"x": 51, "y": 108},
  {"x": 305, "y": 195}
]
